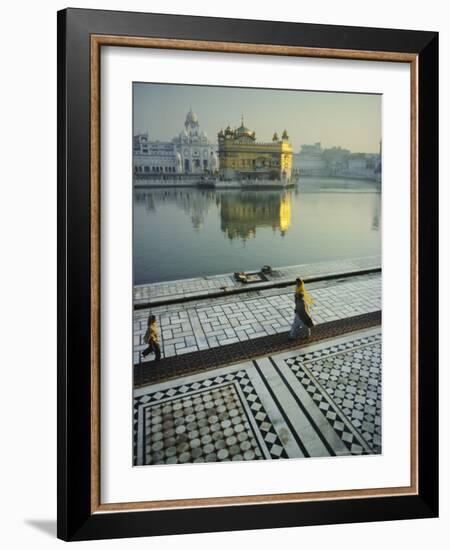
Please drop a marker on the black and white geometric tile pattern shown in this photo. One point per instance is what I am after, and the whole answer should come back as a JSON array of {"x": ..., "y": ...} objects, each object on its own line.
[
  {"x": 321, "y": 400},
  {"x": 213, "y": 420},
  {"x": 344, "y": 380}
]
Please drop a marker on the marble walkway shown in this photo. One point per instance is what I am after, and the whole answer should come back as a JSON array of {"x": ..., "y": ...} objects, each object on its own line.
[
  {"x": 208, "y": 323},
  {"x": 203, "y": 286},
  {"x": 320, "y": 400}
]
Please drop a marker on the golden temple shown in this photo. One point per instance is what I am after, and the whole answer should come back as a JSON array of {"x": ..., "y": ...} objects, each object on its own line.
[{"x": 241, "y": 157}]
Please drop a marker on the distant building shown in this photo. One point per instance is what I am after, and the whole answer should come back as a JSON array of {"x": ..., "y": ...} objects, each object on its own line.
[
  {"x": 313, "y": 160},
  {"x": 198, "y": 155},
  {"x": 242, "y": 157},
  {"x": 154, "y": 158},
  {"x": 364, "y": 165},
  {"x": 309, "y": 162}
]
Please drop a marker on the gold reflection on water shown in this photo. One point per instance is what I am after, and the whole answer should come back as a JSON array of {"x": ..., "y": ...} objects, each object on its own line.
[
  {"x": 243, "y": 213},
  {"x": 285, "y": 213}
]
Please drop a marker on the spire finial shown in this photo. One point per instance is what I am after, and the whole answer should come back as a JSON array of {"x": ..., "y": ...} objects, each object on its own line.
[{"x": 242, "y": 120}]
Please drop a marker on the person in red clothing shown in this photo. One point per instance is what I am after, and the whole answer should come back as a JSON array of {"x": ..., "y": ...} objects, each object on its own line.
[{"x": 152, "y": 339}]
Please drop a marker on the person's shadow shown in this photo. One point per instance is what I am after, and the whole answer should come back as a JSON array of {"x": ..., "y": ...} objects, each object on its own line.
[{"x": 47, "y": 526}]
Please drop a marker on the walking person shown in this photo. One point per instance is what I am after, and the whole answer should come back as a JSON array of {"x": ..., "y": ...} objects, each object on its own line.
[
  {"x": 151, "y": 338},
  {"x": 302, "y": 317}
]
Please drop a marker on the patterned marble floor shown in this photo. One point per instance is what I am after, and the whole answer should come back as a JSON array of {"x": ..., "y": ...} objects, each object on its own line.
[
  {"x": 205, "y": 324},
  {"x": 321, "y": 400}
]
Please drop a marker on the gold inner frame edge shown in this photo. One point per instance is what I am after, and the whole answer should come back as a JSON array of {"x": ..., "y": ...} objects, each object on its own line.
[{"x": 97, "y": 41}]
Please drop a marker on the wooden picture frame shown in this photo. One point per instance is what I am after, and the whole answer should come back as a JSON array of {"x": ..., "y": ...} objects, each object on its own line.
[{"x": 81, "y": 35}]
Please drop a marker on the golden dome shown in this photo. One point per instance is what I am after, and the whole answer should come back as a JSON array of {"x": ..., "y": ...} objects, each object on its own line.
[{"x": 243, "y": 131}]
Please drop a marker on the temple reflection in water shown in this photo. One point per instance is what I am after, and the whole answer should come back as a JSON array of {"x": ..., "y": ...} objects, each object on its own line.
[
  {"x": 191, "y": 232},
  {"x": 241, "y": 213}
]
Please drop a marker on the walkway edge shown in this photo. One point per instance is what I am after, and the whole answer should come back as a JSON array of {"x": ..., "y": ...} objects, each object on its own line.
[{"x": 252, "y": 287}]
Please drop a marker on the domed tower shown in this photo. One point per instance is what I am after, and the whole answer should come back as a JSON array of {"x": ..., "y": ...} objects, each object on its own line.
[
  {"x": 191, "y": 121},
  {"x": 193, "y": 146},
  {"x": 285, "y": 136},
  {"x": 275, "y": 137},
  {"x": 244, "y": 132}
]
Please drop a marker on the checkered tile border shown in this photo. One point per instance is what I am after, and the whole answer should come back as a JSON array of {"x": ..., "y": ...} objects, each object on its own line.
[
  {"x": 274, "y": 447},
  {"x": 356, "y": 418}
]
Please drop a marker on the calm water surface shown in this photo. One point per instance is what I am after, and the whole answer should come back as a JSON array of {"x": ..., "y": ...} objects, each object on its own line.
[{"x": 190, "y": 232}]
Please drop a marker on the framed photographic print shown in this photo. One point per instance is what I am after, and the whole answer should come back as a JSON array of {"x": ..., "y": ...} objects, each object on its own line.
[{"x": 247, "y": 274}]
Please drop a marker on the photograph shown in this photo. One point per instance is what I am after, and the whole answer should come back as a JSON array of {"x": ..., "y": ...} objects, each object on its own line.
[{"x": 257, "y": 296}]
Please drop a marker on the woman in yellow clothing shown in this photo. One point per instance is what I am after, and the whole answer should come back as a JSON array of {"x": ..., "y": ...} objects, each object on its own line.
[
  {"x": 302, "y": 317},
  {"x": 151, "y": 338}
]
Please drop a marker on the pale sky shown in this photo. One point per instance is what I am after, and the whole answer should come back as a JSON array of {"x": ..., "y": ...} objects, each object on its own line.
[{"x": 352, "y": 121}]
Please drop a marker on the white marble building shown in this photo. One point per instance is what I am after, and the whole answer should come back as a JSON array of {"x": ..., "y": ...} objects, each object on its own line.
[
  {"x": 198, "y": 154},
  {"x": 155, "y": 158}
]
